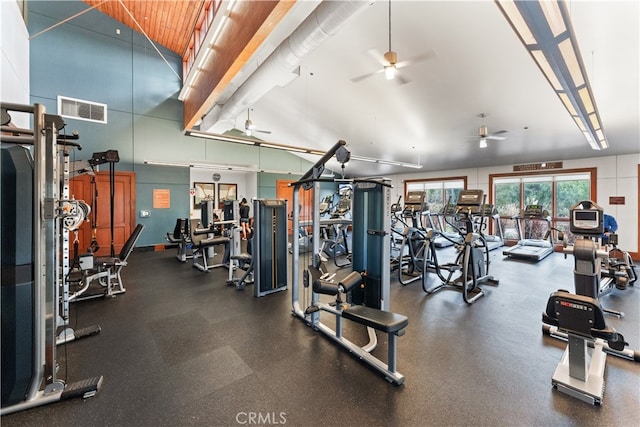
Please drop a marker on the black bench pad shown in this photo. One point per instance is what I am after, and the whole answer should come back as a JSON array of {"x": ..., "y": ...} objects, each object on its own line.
[
  {"x": 381, "y": 320},
  {"x": 205, "y": 243}
]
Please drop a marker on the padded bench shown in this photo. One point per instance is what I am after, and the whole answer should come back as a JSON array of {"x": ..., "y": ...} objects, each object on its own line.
[
  {"x": 385, "y": 321},
  {"x": 201, "y": 243},
  {"x": 391, "y": 323}
]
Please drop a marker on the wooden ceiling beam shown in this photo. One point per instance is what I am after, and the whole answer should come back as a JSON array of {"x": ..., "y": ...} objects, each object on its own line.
[{"x": 250, "y": 24}]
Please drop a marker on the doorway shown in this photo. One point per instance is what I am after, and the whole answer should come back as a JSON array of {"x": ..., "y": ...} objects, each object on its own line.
[
  {"x": 98, "y": 227},
  {"x": 285, "y": 191}
]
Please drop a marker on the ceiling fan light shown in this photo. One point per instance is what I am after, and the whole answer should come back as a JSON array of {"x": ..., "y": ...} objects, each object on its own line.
[
  {"x": 389, "y": 71},
  {"x": 483, "y": 143}
]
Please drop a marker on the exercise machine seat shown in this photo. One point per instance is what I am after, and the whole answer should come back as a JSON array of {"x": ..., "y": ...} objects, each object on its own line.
[
  {"x": 125, "y": 251},
  {"x": 580, "y": 315},
  {"x": 200, "y": 240},
  {"x": 180, "y": 231},
  {"x": 386, "y": 321}
]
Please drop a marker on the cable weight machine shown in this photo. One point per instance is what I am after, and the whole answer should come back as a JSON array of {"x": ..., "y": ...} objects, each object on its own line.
[{"x": 31, "y": 263}]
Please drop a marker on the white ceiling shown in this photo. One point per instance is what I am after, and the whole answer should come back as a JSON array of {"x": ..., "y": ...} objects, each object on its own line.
[{"x": 479, "y": 66}]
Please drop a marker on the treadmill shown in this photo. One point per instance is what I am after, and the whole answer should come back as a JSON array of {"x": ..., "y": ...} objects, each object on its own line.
[
  {"x": 488, "y": 213},
  {"x": 446, "y": 238},
  {"x": 527, "y": 248}
]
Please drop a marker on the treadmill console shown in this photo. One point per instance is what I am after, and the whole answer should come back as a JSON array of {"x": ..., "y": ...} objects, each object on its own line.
[
  {"x": 535, "y": 211},
  {"x": 587, "y": 221},
  {"x": 488, "y": 209}
]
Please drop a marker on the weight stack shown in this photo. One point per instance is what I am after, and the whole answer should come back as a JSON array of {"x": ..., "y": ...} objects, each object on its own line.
[{"x": 270, "y": 251}]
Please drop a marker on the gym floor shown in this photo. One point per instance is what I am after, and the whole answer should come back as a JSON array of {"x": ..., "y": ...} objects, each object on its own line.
[{"x": 180, "y": 347}]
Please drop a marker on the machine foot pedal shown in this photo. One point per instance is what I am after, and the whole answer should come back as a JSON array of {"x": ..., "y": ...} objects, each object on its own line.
[{"x": 85, "y": 388}]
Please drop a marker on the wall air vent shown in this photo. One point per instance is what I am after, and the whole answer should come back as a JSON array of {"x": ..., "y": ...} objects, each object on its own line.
[{"x": 82, "y": 110}]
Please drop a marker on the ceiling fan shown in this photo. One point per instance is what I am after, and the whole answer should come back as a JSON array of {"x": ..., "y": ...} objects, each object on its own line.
[
  {"x": 484, "y": 135},
  {"x": 389, "y": 61},
  {"x": 250, "y": 128}
]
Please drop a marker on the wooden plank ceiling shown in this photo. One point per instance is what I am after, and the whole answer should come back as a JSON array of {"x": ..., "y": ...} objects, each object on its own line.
[
  {"x": 168, "y": 22},
  {"x": 172, "y": 24}
]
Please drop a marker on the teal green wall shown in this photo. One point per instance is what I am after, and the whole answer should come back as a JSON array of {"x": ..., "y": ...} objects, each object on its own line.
[{"x": 85, "y": 59}]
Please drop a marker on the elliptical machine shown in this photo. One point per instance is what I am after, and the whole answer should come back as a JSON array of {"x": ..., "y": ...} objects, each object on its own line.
[
  {"x": 471, "y": 266},
  {"x": 412, "y": 249}
]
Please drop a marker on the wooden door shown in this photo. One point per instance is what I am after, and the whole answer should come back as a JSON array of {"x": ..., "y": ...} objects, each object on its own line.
[
  {"x": 124, "y": 211},
  {"x": 284, "y": 191}
]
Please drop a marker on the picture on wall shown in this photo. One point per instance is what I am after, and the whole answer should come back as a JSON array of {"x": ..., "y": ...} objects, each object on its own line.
[
  {"x": 226, "y": 192},
  {"x": 204, "y": 191}
]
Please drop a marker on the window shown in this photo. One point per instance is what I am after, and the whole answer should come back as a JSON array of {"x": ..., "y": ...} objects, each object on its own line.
[
  {"x": 439, "y": 191},
  {"x": 507, "y": 200},
  {"x": 556, "y": 192}
]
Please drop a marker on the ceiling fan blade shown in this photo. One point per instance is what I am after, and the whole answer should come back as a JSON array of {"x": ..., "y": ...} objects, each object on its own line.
[
  {"x": 499, "y": 132},
  {"x": 431, "y": 53},
  {"x": 400, "y": 79},
  {"x": 496, "y": 138},
  {"x": 262, "y": 131},
  {"x": 377, "y": 56},
  {"x": 365, "y": 76}
]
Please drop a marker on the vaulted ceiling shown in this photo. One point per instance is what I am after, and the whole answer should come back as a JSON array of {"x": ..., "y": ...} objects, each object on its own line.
[
  {"x": 169, "y": 23},
  {"x": 474, "y": 64}
]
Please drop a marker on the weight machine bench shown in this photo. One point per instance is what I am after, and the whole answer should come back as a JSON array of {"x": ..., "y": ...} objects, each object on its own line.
[
  {"x": 582, "y": 319},
  {"x": 106, "y": 271},
  {"x": 181, "y": 236},
  {"x": 201, "y": 243},
  {"x": 243, "y": 261},
  {"x": 392, "y": 324}
]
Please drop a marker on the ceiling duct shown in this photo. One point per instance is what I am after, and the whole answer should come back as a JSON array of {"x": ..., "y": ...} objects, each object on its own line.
[{"x": 282, "y": 65}]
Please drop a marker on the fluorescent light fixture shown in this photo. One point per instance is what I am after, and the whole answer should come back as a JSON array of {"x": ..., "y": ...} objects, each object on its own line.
[
  {"x": 291, "y": 148},
  {"x": 204, "y": 58},
  {"x": 219, "y": 137},
  {"x": 206, "y": 47},
  {"x": 544, "y": 27},
  {"x": 386, "y": 162},
  {"x": 228, "y": 167},
  {"x": 254, "y": 142},
  {"x": 217, "y": 31},
  {"x": 163, "y": 163},
  {"x": 283, "y": 147}
]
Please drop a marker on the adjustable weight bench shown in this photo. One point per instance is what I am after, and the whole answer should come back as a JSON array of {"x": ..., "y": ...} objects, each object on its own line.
[
  {"x": 392, "y": 324},
  {"x": 107, "y": 270}
]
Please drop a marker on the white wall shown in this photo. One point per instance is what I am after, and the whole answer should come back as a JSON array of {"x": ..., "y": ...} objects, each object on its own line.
[
  {"x": 617, "y": 176},
  {"x": 247, "y": 183},
  {"x": 14, "y": 67}
]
